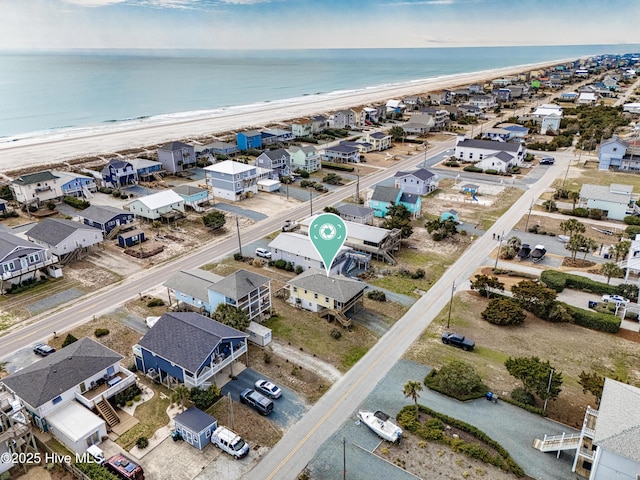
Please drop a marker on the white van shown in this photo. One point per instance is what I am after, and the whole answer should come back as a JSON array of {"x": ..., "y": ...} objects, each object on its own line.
[
  {"x": 230, "y": 442},
  {"x": 96, "y": 453}
]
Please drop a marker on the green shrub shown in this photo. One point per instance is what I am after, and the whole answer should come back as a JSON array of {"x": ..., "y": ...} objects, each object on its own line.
[
  {"x": 76, "y": 202},
  {"x": 101, "y": 332},
  {"x": 336, "y": 334},
  {"x": 142, "y": 442},
  {"x": 520, "y": 395},
  {"x": 337, "y": 166},
  {"x": 136, "y": 398},
  {"x": 299, "y": 269},
  {"x": 491, "y": 171},
  {"x": 632, "y": 231},
  {"x": 579, "y": 212},
  {"x": 51, "y": 205},
  {"x": 68, "y": 340},
  {"x": 95, "y": 471},
  {"x": 238, "y": 257},
  {"x": 377, "y": 295},
  {"x": 106, "y": 190},
  {"x": 554, "y": 280},
  {"x": 127, "y": 395},
  {"x": 155, "y": 302},
  {"x": 451, "y": 163},
  {"x": 596, "y": 321},
  {"x": 632, "y": 220},
  {"x": 203, "y": 398},
  {"x": 129, "y": 403},
  {"x": 471, "y": 168}
]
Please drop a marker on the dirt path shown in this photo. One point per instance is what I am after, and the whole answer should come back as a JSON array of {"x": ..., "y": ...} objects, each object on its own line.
[{"x": 313, "y": 364}]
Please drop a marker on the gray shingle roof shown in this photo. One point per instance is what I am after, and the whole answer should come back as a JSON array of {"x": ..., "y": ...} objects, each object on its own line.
[
  {"x": 195, "y": 419},
  {"x": 489, "y": 145},
  {"x": 337, "y": 287},
  {"x": 409, "y": 198},
  {"x": 277, "y": 153},
  {"x": 385, "y": 194},
  {"x": 173, "y": 146},
  {"x": 44, "y": 380},
  {"x": 194, "y": 283},
  {"x": 341, "y": 149},
  {"x": 52, "y": 231},
  {"x": 379, "y": 135},
  {"x": 102, "y": 213},
  {"x": 603, "y": 193},
  {"x": 504, "y": 156},
  {"x": 239, "y": 284},
  {"x": 9, "y": 242},
  {"x": 422, "y": 173},
  {"x": 618, "y": 425},
  {"x": 354, "y": 210},
  {"x": 35, "y": 178},
  {"x": 187, "y": 338}
]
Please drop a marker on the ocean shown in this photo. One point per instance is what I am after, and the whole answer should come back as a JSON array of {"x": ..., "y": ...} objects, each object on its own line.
[{"x": 51, "y": 92}]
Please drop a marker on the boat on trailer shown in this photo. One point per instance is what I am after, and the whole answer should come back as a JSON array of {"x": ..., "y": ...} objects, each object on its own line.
[{"x": 381, "y": 425}]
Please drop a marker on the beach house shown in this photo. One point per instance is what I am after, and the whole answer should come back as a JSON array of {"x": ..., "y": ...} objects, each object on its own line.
[
  {"x": 383, "y": 197},
  {"x": 278, "y": 161},
  {"x": 344, "y": 119},
  {"x": 189, "y": 349},
  {"x": 21, "y": 260},
  {"x": 419, "y": 124},
  {"x": 271, "y": 136},
  {"x": 319, "y": 123},
  {"x": 304, "y": 158},
  {"x": 379, "y": 140},
  {"x": 302, "y": 128},
  {"x": 193, "y": 196},
  {"x": 356, "y": 213},
  {"x": 440, "y": 116},
  {"x": 608, "y": 444},
  {"x": 611, "y": 153},
  {"x": 472, "y": 151},
  {"x": 419, "y": 182},
  {"x": 105, "y": 217},
  {"x": 298, "y": 250},
  {"x": 76, "y": 185},
  {"x": 64, "y": 238},
  {"x": 36, "y": 188},
  {"x": 147, "y": 170},
  {"x": 313, "y": 290},
  {"x": 482, "y": 101},
  {"x": 203, "y": 291},
  {"x": 165, "y": 205},
  {"x": 614, "y": 200},
  {"x": 342, "y": 153},
  {"x": 119, "y": 173},
  {"x": 62, "y": 390},
  {"x": 177, "y": 156},
  {"x": 232, "y": 180},
  {"x": 249, "y": 139}
]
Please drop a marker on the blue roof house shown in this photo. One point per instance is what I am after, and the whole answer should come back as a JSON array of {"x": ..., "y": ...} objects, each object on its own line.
[
  {"x": 76, "y": 185},
  {"x": 188, "y": 348},
  {"x": 146, "y": 168},
  {"x": 413, "y": 203},
  {"x": 249, "y": 139},
  {"x": 195, "y": 427},
  {"x": 382, "y": 198},
  {"x": 119, "y": 173},
  {"x": 193, "y": 196}
]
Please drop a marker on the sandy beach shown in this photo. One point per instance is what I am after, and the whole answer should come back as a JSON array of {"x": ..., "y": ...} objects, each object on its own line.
[{"x": 64, "y": 147}]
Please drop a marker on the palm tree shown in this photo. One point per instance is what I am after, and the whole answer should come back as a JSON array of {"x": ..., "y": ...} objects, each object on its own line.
[
  {"x": 572, "y": 226},
  {"x": 590, "y": 246},
  {"x": 621, "y": 249},
  {"x": 412, "y": 390},
  {"x": 610, "y": 269},
  {"x": 574, "y": 197},
  {"x": 180, "y": 395}
]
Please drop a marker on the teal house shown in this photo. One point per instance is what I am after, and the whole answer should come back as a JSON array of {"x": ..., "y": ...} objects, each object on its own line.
[{"x": 383, "y": 197}]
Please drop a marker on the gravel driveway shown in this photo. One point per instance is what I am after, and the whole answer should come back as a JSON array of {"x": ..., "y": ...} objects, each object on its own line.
[{"x": 514, "y": 428}]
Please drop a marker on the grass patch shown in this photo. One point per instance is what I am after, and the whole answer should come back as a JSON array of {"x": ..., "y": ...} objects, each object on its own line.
[
  {"x": 312, "y": 335},
  {"x": 504, "y": 201},
  {"x": 151, "y": 414}
]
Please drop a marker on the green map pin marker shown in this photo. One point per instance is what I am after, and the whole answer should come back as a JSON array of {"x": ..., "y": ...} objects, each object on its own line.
[{"x": 328, "y": 233}]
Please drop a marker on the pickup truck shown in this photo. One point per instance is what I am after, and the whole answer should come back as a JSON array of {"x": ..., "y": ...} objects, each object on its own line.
[
  {"x": 458, "y": 340},
  {"x": 259, "y": 402},
  {"x": 289, "y": 226}
]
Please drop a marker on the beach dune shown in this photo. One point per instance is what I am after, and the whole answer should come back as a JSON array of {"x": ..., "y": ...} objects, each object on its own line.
[{"x": 57, "y": 148}]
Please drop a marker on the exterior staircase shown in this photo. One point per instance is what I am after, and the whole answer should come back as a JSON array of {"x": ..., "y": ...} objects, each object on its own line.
[
  {"x": 556, "y": 443},
  {"x": 87, "y": 193},
  {"x": 108, "y": 413},
  {"x": 339, "y": 317}
]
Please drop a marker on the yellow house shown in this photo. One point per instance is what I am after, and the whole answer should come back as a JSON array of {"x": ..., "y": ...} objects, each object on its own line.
[{"x": 313, "y": 290}]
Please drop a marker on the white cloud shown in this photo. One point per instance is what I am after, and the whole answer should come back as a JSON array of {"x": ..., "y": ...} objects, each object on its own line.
[
  {"x": 94, "y": 3},
  {"x": 245, "y": 2}
]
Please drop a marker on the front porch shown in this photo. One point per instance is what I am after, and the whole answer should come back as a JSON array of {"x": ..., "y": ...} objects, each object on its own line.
[
  {"x": 209, "y": 372},
  {"x": 106, "y": 388}
]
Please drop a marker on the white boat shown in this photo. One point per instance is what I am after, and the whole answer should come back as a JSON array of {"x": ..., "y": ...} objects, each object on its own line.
[{"x": 381, "y": 425}]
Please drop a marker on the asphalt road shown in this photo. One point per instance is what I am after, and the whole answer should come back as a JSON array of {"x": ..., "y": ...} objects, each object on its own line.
[
  {"x": 106, "y": 299},
  {"x": 296, "y": 449}
]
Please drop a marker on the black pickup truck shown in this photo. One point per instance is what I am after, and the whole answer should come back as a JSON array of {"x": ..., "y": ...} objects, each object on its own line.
[{"x": 458, "y": 340}]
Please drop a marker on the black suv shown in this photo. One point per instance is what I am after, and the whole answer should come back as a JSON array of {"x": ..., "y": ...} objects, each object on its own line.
[
  {"x": 459, "y": 341},
  {"x": 43, "y": 349},
  {"x": 262, "y": 404}
]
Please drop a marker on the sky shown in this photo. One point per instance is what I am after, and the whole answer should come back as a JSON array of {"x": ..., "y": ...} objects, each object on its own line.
[{"x": 273, "y": 24}]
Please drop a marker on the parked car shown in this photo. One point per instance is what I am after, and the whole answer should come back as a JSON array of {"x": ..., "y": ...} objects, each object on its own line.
[
  {"x": 547, "y": 161},
  {"x": 268, "y": 389},
  {"x": 96, "y": 454},
  {"x": 458, "y": 340},
  {"x": 259, "y": 402},
  {"x": 43, "y": 349},
  {"x": 615, "y": 299},
  {"x": 263, "y": 252},
  {"x": 230, "y": 442}
]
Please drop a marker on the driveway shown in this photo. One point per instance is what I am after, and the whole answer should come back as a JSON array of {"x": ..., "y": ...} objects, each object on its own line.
[
  {"x": 512, "y": 427},
  {"x": 243, "y": 212},
  {"x": 288, "y": 409}
]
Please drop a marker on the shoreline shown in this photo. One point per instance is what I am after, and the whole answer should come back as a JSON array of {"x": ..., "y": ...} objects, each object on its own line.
[{"x": 63, "y": 146}]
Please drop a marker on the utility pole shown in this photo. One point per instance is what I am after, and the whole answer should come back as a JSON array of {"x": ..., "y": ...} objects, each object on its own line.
[
  {"x": 238, "y": 229},
  {"x": 311, "y": 202},
  {"x": 544, "y": 409},
  {"x": 499, "y": 246},
  {"x": 453, "y": 289},
  {"x": 357, "y": 186},
  {"x": 526, "y": 225},
  {"x": 344, "y": 459}
]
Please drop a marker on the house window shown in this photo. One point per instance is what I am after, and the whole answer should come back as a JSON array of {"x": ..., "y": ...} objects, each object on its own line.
[
  {"x": 56, "y": 400},
  {"x": 34, "y": 258},
  {"x": 470, "y": 155},
  {"x": 315, "y": 295},
  {"x": 8, "y": 267},
  {"x": 295, "y": 289},
  {"x": 326, "y": 299}
]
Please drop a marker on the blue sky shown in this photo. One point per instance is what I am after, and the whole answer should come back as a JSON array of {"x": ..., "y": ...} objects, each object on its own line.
[{"x": 55, "y": 24}]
